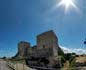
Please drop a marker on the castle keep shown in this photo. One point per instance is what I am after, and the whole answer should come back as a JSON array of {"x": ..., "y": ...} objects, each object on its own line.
[{"x": 46, "y": 49}]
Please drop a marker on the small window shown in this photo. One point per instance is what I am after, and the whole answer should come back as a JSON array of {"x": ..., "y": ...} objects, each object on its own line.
[{"x": 43, "y": 46}]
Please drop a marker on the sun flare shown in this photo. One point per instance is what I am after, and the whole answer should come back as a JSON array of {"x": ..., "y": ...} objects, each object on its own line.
[{"x": 67, "y": 4}]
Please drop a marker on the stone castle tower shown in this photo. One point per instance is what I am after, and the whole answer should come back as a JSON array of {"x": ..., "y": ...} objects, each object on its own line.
[
  {"x": 23, "y": 48},
  {"x": 48, "y": 40},
  {"x": 47, "y": 48}
]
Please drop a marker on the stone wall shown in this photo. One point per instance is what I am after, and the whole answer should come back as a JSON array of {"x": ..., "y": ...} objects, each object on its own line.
[
  {"x": 23, "y": 48},
  {"x": 46, "y": 40},
  {"x": 47, "y": 47}
]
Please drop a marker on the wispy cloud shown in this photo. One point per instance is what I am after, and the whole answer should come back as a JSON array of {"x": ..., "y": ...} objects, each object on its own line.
[
  {"x": 75, "y": 50},
  {"x": 7, "y": 51}
]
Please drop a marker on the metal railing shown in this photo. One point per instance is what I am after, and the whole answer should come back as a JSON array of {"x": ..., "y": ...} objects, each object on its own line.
[
  {"x": 22, "y": 66},
  {"x": 17, "y": 67}
]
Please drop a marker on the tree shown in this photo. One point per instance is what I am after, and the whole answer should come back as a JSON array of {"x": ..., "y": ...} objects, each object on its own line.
[{"x": 4, "y": 57}]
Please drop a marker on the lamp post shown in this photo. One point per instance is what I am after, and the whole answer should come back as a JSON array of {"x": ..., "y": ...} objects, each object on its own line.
[
  {"x": 84, "y": 17},
  {"x": 85, "y": 43}
]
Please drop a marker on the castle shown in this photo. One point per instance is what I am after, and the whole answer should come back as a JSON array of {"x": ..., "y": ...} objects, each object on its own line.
[{"x": 47, "y": 49}]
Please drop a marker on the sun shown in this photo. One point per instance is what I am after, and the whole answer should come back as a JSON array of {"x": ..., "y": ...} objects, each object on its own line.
[{"x": 67, "y": 4}]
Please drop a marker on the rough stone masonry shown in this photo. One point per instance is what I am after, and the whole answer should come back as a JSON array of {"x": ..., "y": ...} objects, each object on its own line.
[{"x": 45, "y": 53}]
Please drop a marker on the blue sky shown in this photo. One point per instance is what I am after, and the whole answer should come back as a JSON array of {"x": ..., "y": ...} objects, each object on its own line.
[{"x": 25, "y": 19}]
